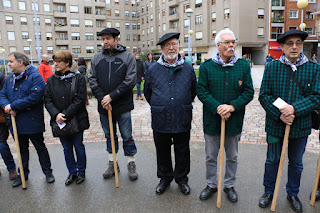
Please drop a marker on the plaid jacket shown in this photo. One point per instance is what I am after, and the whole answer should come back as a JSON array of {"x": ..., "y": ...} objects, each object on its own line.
[
  {"x": 278, "y": 83},
  {"x": 224, "y": 85}
]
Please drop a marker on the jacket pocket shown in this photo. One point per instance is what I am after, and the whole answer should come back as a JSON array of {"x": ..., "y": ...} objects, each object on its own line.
[
  {"x": 158, "y": 116},
  {"x": 186, "y": 116}
]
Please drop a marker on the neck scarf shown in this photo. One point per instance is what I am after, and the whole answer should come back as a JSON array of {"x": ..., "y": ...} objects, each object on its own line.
[
  {"x": 69, "y": 75},
  {"x": 230, "y": 63},
  {"x": 301, "y": 60},
  {"x": 178, "y": 62},
  {"x": 17, "y": 77}
]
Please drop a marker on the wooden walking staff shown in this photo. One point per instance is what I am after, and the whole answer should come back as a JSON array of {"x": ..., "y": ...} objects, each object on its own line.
[
  {"x": 222, "y": 137},
  {"x": 316, "y": 182},
  {"x": 15, "y": 134},
  {"x": 283, "y": 153},
  {"x": 113, "y": 149}
]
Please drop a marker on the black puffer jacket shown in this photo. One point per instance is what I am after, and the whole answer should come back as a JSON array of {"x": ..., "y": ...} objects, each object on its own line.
[
  {"x": 140, "y": 70},
  {"x": 57, "y": 99}
]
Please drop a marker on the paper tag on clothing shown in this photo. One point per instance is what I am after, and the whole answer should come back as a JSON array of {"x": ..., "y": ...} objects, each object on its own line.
[
  {"x": 279, "y": 103},
  {"x": 61, "y": 125}
]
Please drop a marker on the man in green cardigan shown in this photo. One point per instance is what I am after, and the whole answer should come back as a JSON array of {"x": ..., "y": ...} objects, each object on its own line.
[
  {"x": 295, "y": 80},
  {"x": 224, "y": 88}
]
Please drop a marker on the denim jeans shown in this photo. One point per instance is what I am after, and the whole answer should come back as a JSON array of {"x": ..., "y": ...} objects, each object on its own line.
[
  {"x": 125, "y": 127},
  {"x": 7, "y": 156},
  {"x": 76, "y": 141},
  {"x": 37, "y": 141},
  {"x": 138, "y": 88},
  {"x": 296, "y": 148}
]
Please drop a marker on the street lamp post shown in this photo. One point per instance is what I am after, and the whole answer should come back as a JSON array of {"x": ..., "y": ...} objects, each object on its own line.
[
  {"x": 4, "y": 61},
  {"x": 30, "y": 41},
  {"x": 302, "y": 4},
  {"x": 189, "y": 11}
]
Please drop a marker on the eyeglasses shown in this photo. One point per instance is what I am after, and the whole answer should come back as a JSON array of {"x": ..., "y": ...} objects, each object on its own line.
[
  {"x": 291, "y": 43},
  {"x": 227, "y": 42},
  {"x": 171, "y": 44}
]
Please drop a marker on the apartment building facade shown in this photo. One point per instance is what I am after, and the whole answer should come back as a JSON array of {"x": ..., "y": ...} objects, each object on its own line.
[{"x": 73, "y": 24}]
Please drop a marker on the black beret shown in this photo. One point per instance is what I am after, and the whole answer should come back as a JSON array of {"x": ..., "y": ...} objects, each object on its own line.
[
  {"x": 112, "y": 31},
  {"x": 168, "y": 36},
  {"x": 282, "y": 38}
]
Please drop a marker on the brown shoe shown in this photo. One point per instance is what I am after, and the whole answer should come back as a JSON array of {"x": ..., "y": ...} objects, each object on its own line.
[
  {"x": 141, "y": 97},
  {"x": 13, "y": 175},
  {"x": 137, "y": 98}
]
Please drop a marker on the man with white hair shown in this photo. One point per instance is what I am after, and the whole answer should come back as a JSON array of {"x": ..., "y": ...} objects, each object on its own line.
[
  {"x": 225, "y": 88},
  {"x": 170, "y": 87}
]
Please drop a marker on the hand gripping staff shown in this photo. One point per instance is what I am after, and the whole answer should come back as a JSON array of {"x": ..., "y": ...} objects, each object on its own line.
[
  {"x": 222, "y": 137},
  {"x": 283, "y": 153},
  {"x": 113, "y": 149},
  {"x": 15, "y": 134},
  {"x": 316, "y": 182}
]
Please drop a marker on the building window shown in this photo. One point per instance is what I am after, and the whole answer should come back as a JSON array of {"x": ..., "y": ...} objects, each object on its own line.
[
  {"x": 260, "y": 13},
  {"x": 186, "y": 38},
  {"x": 46, "y": 7},
  {"x": 74, "y": 22},
  {"x": 309, "y": 30},
  {"x": 87, "y": 10},
  {"x": 151, "y": 16},
  {"x": 75, "y": 36},
  {"x": 213, "y": 2},
  {"x": 226, "y": 13},
  {"x": 9, "y": 20},
  {"x": 39, "y": 36},
  {"x": 126, "y": 2},
  {"x": 213, "y": 35},
  {"x": 23, "y": 20},
  {"x": 108, "y": 24},
  {"x": 214, "y": 17},
  {"x": 312, "y": 1},
  {"x": 128, "y": 37},
  {"x": 22, "y": 5},
  {"x": 47, "y": 21},
  {"x": 99, "y": 38},
  {"x": 49, "y": 36},
  {"x": 88, "y": 23},
  {"x": 134, "y": 49},
  {"x": 98, "y": 23},
  {"x": 142, "y": 20},
  {"x": 138, "y": 26},
  {"x": 76, "y": 49},
  {"x": 186, "y": 6},
  {"x": 61, "y": 8},
  {"x": 309, "y": 16},
  {"x": 277, "y": 16},
  {"x": 63, "y": 36},
  {"x": 278, "y": 3},
  {"x": 35, "y": 7},
  {"x": 276, "y": 32},
  {"x": 89, "y": 36},
  {"x": 260, "y": 32},
  {"x": 117, "y": 13},
  {"x": 142, "y": 9},
  {"x": 133, "y": 14},
  {"x": 116, "y": 1},
  {"x": 108, "y": 12},
  {"x": 127, "y": 26},
  {"x": 293, "y": 14},
  {"x": 90, "y": 49},
  {"x": 12, "y": 49},
  {"x": 198, "y": 35},
  {"x": 38, "y": 21},
  {"x": 293, "y": 28},
  {"x": 126, "y": 13},
  {"x": 99, "y": 48},
  {"x": 98, "y": 11},
  {"x": 6, "y": 4},
  {"x": 26, "y": 50},
  {"x": 139, "y": 37},
  {"x": 40, "y": 48},
  {"x": 163, "y": 27},
  {"x": 61, "y": 22},
  {"x": 199, "y": 19},
  {"x": 63, "y": 47},
  {"x": 117, "y": 25},
  {"x": 134, "y": 26},
  {"x": 25, "y": 35},
  {"x": 49, "y": 50},
  {"x": 134, "y": 37},
  {"x": 198, "y": 3},
  {"x": 107, "y": 1}
]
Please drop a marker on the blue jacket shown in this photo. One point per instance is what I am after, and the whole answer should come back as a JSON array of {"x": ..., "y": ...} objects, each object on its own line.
[
  {"x": 26, "y": 98},
  {"x": 170, "y": 97}
]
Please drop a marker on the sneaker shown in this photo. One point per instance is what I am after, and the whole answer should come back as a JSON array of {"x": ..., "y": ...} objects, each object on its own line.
[
  {"x": 132, "y": 171},
  {"x": 13, "y": 175},
  {"x": 18, "y": 181},
  {"x": 110, "y": 171},
  {"x": 50, "y": 178}
]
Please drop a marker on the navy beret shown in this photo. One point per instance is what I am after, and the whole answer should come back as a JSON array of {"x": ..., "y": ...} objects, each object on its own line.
[
  {"x": 282, "y": 38},
  {"x": 112, "y": 31},
  {"x": 168, "y": 36}
]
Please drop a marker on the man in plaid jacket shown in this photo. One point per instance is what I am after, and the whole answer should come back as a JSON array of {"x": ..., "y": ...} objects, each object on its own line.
[
  {"x": 224, "y": 88},
  {"x": 294, "y": 79}
]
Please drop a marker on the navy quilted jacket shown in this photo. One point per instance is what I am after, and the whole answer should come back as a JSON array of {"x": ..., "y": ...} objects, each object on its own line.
[{"x": 170, "y": 97}]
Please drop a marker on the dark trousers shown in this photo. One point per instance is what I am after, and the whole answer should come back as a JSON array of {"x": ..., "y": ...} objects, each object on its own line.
[
  {"x": 180, "y": 141},
  {"x": 37, "y": 141}
]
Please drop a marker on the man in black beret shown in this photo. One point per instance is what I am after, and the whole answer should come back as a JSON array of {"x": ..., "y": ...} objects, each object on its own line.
[
  {"x": 170, "y": 87},
  {"x": 112, "y": 78},
  {"x": 295, "y": 80}
]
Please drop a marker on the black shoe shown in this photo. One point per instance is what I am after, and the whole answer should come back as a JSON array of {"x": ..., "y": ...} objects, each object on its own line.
[
  {"x": 185, "y": 188},
  {"x": 80, "y": 178},
  {"x": 317, "y": 195},
  {"x": 50, "y": 178},
  {"x": 295, "y": 203},
  {"x": 207, "y": 193},
  {"x": 70, "y": 179},
  {"x": 231, "y": 194},
  {"x": 132, "y": 171},
  {"x": 265, "y": 200},
  {"x": 162, "y": 186},
  {"x": 18, "y": 182}
]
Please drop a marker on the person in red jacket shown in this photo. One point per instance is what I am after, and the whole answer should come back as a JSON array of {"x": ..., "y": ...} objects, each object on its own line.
[{"x": 45, "y": 68}]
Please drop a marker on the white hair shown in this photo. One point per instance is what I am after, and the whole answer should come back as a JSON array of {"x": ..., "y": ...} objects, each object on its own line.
[{"x": 223, "y": 32}]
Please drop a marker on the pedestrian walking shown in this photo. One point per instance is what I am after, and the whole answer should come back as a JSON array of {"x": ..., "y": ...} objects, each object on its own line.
[
  {"x": 4, "y": 133},
  {"x": 225, "y": 88},
  {"x": 112, "y": 78},
  {"x": 140, "y": 75},
  {"x": 170, "y": 88},
  {"x": 295, "y": 80},
  {"x": 65, "y": 99},
  {"x": 150, "y": 60},
  {"x": 45, "y": 68},
  {"x": 82, "y": 67},
  {"x": 22, "y": 97}
]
